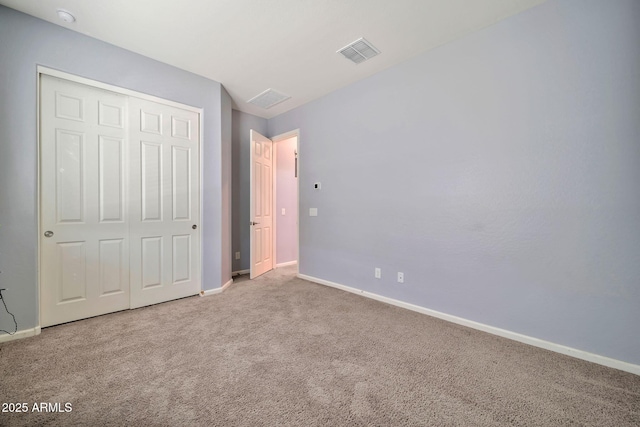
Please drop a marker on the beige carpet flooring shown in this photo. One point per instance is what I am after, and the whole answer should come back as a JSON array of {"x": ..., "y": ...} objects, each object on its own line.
[{"x": 280, "y": 351}]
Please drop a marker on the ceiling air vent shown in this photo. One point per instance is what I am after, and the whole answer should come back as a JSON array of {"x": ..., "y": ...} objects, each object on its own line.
[
  {"x": 268, "y": 99},
  {"x": 359, "y": 51}
]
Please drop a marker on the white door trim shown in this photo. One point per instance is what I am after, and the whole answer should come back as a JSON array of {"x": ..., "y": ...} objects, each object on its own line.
[
  {"x": 42, "y": 70},
  {"x": 276, "y": 139},
  {"x": 112, "y": 88},
  {"x": 274, "y": 210}
]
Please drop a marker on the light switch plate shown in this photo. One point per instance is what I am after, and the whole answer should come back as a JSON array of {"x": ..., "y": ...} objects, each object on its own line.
[
  {"x": 313, "y": 211},
  {"x": 283, "y": 211}
]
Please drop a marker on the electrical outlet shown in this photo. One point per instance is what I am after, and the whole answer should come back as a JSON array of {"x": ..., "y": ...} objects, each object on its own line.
[
  {"x": 317, "y": 186},
  {"x": 378, "y": 273},
  {"x": 400, "y": 277},
  {"x": 313, "y": 211},
  {"x": 237, "y": 255}
]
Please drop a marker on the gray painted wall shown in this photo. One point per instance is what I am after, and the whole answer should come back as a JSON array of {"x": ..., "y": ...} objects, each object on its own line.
[
  {"x": 226, "y": 187},
  {"x": 28, "y": 42},
  {"x": 286, "y": 198},
  {"x": 500, "y": 173},
  {"x": 242, "y": 123}
]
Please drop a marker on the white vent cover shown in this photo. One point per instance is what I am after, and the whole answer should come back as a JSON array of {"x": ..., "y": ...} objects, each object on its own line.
[
  {"x": 359, "y": 51},
  {"x": 268, "y": 99}
]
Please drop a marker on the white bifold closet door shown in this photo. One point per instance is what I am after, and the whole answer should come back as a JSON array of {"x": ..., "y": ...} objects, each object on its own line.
[
  {"x": 119, "y": 196},
  {"x": 165, "y": 203}
]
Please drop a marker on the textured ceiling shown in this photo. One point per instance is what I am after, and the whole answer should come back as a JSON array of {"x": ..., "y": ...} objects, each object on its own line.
[{"x": 288, "y": 45}]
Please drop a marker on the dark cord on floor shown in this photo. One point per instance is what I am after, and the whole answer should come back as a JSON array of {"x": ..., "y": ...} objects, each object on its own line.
[{"x": 14, "y": 317}]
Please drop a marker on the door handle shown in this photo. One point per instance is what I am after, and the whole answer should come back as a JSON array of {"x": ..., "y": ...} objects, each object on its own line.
[
  {"x": 48, "y": 233},
  {"x": 194, "y": 226},
  {"x": 254, "y": 223}
]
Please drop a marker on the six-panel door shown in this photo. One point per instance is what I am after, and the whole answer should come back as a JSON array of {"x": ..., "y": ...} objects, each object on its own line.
[
  {"x": 119, "y": 200},
  {"x": 165, "y": 202},
  {"x": 261, "y": 194},
  {"x": 85, "y": 259}
]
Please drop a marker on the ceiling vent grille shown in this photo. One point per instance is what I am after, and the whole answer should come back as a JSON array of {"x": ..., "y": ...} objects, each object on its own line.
[
  {"x": 359, "y": 51},
  {"x": 268, "y": 99}
]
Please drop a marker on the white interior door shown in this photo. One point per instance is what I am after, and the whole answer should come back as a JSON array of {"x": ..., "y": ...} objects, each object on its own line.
[
  {"x": 165, "y": 202},
  {"x": 85, "y": 242},
  {"x": 261, "y": 187},
  {"x": 119, "y": 201}
]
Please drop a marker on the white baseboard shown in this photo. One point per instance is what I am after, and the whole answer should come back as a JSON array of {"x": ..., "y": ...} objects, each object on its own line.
[
  {"x": 285, "y": 264},
  {"x": 558, "y": 348},
  {"x": 216, "y": 290},
  {"x": 25, "y": 333},
  {"x": 239, "y": 272}
]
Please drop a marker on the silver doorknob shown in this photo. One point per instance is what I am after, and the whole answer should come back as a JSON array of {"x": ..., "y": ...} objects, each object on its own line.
[
  {"x": 48, "y": 233},
  {"x": 194, "y": 226},
  {"x": 254, "y": 223}
]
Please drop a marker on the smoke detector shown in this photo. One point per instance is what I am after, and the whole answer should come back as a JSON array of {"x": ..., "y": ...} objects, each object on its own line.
[
  {"x": 268, "y": 99},
  {"x": 359, "y": 51},
  {"x": 66, "y": 16}
]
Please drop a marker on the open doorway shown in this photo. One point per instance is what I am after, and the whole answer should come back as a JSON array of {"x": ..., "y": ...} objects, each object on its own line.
[
  {"x": 285, "y": 194},
  {"x": 273, "y": 202}
]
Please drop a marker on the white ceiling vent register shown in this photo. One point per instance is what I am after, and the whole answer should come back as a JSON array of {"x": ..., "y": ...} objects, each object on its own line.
[
  {"x": 268, "y": 99},
  {"x": 359, "y": 51}
]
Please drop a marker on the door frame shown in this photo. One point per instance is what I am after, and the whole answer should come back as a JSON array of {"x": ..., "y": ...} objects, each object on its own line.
[
  {"x": 42, "y": 70},
  {"x": 276, "y": 139}
]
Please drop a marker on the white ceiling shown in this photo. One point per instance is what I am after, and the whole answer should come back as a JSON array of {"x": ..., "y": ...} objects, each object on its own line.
[{"x": 287, "y": 45}]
